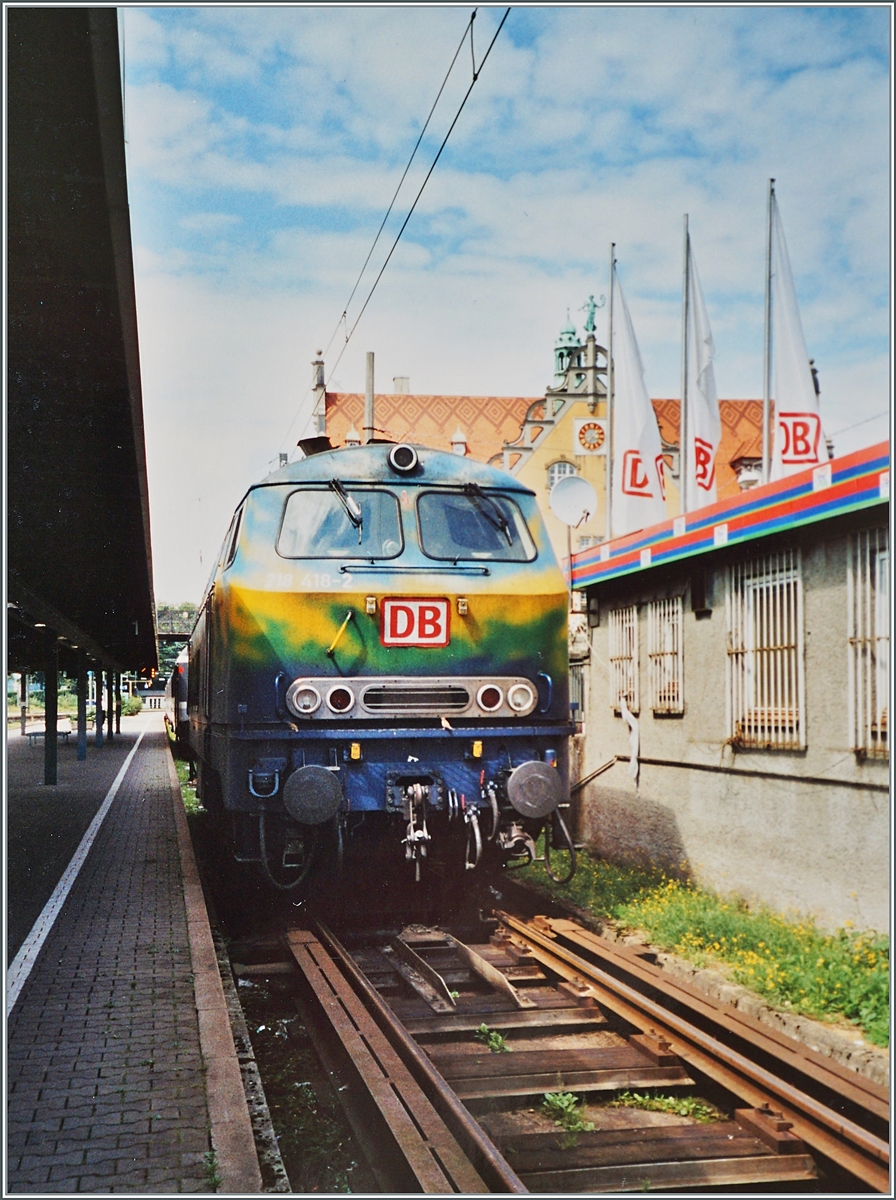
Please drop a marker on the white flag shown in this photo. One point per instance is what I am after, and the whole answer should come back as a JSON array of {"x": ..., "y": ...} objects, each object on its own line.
[
  {"x": 638, "y": 483},
  {"x": 798, "y": 438},
  {"x": 704, "y": 424}
]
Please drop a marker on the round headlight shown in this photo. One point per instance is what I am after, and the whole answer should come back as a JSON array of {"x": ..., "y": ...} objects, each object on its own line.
[
  {"x": 489, "y": 697},
  {"x": 303, "y": 699},
  {"x": 520, "y": 697},
  {"x": 403, "y": 458},
  {"x": 340, "y": 698}
]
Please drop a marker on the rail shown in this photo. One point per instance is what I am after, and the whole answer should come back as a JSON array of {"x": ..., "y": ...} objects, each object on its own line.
[
  {"x": 440, "y": 1111},
  {"x": 864, "y": 1153}
]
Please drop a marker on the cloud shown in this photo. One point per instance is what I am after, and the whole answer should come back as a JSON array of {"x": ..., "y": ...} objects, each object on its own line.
[
  {"x": 265, "y": 143},
  {"x": 208, "y": 222}
]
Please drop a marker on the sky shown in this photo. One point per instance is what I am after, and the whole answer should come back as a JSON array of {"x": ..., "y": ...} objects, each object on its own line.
[{"x": 264, "y": 145}]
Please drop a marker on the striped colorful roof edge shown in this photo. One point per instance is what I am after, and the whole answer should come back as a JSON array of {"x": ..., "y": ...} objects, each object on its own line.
[{"x": 855, "y": 481}]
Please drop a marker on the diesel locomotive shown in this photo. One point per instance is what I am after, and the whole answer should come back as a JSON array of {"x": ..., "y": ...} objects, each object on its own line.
[{"x": 380, "y": 666}]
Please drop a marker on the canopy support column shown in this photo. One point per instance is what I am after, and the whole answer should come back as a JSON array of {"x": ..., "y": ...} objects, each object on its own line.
[
  {"x": 110, "y": 707},
  {"x": 82, "y": 706},
  {"x": 51, "y": 707},
  {"x": 98, "y": 719}
]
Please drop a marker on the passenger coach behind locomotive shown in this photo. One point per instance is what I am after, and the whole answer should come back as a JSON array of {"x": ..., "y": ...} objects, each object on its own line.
[
  {"x": 176, "y": 714},
  {"x": 382, "y": 652}
]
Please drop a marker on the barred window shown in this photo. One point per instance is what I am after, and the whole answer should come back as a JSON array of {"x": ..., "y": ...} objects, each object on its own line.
[
  {"x": 624, "y": 657},
  {"x": 665, "y": 660},
  {"x": 868, "y": 600},
  {"x": 766, "y": 678},
  {"x": 577, "y": 693}
]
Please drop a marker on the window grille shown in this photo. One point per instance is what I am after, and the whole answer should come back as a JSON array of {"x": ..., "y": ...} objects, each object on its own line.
[
  {"x": 665, "y": 659},
  {"x": 868, "y": 601},
  {"x": 577, "y": 691},
  {"x": 624, "y": 657},
  {"x": 558, "y": 471},
  {"x": 766, "y": 678}
]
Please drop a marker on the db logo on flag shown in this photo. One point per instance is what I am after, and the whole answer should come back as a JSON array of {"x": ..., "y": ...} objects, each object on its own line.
[
  {"x": 634, "y": 477},
  {"x": 705, "y": 464},
  {"x": 414, "y": 622},
  {"x": 801, "y": 433}
]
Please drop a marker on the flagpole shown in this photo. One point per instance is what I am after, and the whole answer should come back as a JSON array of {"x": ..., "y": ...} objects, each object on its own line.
[
  {"x": 683, "y": 412},
  {"x": 610, "y": 396},
  {"x": 767, "y": 350}
]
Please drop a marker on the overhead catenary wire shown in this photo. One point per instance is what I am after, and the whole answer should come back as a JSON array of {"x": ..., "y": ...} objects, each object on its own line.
[
  {"x": 343, "y": 317},
  {"x": 422, "y": 186},
  {"x": 876, "y": 417},
  {"x": 342, "y": 322}
]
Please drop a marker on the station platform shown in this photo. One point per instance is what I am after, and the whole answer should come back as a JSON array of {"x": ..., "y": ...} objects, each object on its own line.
[{"x": 122, "y": 1073}]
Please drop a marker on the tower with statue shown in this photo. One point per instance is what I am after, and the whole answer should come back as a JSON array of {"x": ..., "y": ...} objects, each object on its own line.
[{"x": 566, "y": 432}]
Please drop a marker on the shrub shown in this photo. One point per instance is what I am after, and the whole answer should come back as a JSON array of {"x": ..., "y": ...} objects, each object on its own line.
[{"x": 131, "y": 706}]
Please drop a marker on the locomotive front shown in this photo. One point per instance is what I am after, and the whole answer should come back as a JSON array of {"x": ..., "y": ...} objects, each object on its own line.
[{"x": 382, "y": 654}]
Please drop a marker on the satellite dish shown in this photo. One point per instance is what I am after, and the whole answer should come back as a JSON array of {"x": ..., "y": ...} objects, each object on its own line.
[{"x": 573, "y": 500}]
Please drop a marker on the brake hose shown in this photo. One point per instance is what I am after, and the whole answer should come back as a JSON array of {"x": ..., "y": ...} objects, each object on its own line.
[{"x": 569, "y": 845}]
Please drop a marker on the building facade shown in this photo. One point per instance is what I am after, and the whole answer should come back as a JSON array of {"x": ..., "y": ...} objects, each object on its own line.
[
  {"x": 566, "y": 433},
  {"x": 737, "y": 694}
]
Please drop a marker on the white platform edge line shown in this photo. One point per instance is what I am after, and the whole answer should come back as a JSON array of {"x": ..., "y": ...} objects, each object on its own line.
[{"x": 20, "y": 967}]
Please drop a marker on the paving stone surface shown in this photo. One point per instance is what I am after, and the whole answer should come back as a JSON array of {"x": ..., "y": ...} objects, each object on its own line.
[
  {"x": 45, "y": 824},
  {"x": 106, "y": 1091}
]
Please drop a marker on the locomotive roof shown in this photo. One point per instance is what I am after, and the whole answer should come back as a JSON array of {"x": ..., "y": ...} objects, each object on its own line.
[{"x": 370, "y": 464}]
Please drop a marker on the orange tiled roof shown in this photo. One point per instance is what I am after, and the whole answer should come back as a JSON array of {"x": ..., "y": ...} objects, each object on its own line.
[
  {"x": 490, "y": 421},
  {"x": 741, "y": 436},
  {"x": 487, "y": 421}
]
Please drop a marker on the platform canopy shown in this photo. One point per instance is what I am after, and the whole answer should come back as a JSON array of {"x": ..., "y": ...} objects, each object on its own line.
[{"x": 78, "y": 538}]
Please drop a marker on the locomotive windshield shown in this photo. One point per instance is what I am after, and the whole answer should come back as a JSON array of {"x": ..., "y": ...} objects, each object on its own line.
[
  {"x": 326, "y": 523},
  {"x": 473, "y": 524}
]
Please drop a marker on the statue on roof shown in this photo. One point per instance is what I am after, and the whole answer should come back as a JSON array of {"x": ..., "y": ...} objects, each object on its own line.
[{"x": 589, "y": 308}]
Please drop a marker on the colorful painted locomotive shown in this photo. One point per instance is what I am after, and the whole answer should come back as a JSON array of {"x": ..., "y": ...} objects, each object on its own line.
[{"x": 382, "y": 655}]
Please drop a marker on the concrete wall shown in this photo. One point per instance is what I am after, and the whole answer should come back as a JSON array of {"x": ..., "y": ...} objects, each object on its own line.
[{"x": 800, "y": 831}]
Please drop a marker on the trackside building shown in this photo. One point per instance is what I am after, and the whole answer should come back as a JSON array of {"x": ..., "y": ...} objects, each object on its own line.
[{"x": 740, "y": 654}]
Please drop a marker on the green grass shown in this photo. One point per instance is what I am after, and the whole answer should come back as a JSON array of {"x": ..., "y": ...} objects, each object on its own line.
[
  {"x": 792, "y": 964},
  {"x": 682, "y": 1106},
  {"x": 212, "y": 1176},
  {"x": 188, "y": 790}
]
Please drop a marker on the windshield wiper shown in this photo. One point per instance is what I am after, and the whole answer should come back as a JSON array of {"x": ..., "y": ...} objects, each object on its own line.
[
  {"x": 489, "y": 509},
  {"x": 351, "y": 506}
]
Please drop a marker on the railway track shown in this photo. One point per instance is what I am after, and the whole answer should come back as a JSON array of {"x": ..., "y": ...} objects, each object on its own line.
[{"x": 447, "y": 1050}]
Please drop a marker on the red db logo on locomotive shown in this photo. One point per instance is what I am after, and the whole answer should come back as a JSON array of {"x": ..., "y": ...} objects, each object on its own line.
[{"x": 415, "y": 622}]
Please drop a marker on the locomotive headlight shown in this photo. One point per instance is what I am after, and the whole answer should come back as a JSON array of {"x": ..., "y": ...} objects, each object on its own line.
[
  {"x": 302, "y": 699},
  {"x": 521, "y": 698},
  {"x": 489, "y": 697},
  {"x": 340, "y": 698}
]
